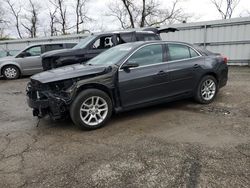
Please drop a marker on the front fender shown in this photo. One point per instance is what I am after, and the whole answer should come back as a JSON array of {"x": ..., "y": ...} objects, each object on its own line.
[{"x": 106, "y": 82}]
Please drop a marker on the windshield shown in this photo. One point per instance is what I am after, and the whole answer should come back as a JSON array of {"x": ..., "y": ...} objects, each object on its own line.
[
  {"x": 84, "y": 42},
  {"x": 111, "y": 56}
]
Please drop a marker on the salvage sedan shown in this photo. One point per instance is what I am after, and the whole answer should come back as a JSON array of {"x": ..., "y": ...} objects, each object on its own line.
[{"x": 126, "y": 77}]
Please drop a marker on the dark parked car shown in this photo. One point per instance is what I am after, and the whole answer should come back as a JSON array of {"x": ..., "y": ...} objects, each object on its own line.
[
  {"x": 125, "y": 77},
  {"x": 95, "y": 44},
  {"x": 28, "y": 61}
]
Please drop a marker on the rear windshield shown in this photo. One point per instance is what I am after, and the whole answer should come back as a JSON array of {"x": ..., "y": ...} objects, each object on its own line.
[{"x": 204, "y": 51}]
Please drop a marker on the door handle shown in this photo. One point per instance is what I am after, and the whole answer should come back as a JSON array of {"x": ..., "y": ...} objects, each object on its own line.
[
  {"x": 196, "y": 66},
  {"x": 161, "y": 73}
]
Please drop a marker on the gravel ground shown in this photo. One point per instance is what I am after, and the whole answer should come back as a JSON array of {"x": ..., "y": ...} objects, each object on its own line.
[{"x": 179, "y": 144}]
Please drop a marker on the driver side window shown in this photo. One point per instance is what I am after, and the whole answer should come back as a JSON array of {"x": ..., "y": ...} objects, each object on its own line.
[
  {"x": 34, "y": 51},
  {"x": 103, "y": 43},
  {"x": 147, "y": 55}
]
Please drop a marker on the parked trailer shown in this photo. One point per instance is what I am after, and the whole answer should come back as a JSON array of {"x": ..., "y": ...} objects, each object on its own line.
[{"x": 229, "y": 37}]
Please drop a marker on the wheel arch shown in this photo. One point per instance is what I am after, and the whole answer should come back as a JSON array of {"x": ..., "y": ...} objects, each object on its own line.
[
  {"x": 211, "y": 74},
  {"x": 98, "y": 86},
  {"x": 12, "y": 64},
  {"x": 197, "y": 94}
]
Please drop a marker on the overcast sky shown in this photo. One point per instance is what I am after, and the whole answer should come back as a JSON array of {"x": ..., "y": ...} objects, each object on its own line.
[{"x": 202, "y": 10}]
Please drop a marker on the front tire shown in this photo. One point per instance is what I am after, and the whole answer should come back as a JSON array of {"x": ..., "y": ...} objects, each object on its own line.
[
  {"x": 91, "y": 109},
  {"x": 11, "y": 72},
  {"x": 206, "y": 90}
]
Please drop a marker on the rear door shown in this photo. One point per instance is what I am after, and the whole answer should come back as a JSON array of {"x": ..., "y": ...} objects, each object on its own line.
[
  {"x": 148, "y": 81},
  {"x": 32, "y": 63},
  {"x": 184, "y": 67}
]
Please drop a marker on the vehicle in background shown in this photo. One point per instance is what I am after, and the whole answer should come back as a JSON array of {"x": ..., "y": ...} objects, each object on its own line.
[
  {"x": 125, "y": 77},
  {"x": 5, "y": 53},
  {"x": 28, "y": 61},
  {"x": 95, "y": 44}
]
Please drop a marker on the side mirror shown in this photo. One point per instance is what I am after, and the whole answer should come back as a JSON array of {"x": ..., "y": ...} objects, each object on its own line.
[
  {"x": 24, "y": 54},
  {"x": 128, "y": 65}
]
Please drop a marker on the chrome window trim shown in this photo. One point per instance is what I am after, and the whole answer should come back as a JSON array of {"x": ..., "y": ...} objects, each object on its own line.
[
  {"x": 166, "y": 62},
  {"x": 135, "y": 52},
  {"x": 199, "y": 54}
]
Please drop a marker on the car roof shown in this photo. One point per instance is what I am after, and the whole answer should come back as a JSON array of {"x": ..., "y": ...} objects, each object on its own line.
[
  {"x": 160, "y": 42},
  {"x": 48, "y": 43},
  {"x": 119, "y": 32}
]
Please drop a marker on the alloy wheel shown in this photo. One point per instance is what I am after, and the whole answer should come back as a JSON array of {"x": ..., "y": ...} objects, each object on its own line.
[
  {"x": 93, "y": 110},
  {"x": 208, "y": 89}
]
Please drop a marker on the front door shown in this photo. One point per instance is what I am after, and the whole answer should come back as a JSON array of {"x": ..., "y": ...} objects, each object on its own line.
[
  {"x": 148, "y": 81},
  {"x": 31, "y": 62}
]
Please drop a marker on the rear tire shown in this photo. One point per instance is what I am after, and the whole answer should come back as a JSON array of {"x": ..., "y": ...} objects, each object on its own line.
[
  {"x": 91, "y": 109},
  {"x": 206, "y": 90},
  {"x": 10, "y": 72}
]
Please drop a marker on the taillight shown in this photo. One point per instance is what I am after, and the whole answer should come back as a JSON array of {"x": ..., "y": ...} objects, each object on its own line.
[{"x": 225, "y": 59}]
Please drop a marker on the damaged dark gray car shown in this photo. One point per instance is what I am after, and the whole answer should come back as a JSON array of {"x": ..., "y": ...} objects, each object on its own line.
[{"x": 125, "y": 77}]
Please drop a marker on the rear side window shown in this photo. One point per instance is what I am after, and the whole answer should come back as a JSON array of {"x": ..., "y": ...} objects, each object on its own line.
[
  {"x": 126, "y": 37},
  {"x": 193, "y": 53},
  {"x": 179, "y": 51},
  {"x": 51, "y": 47}
]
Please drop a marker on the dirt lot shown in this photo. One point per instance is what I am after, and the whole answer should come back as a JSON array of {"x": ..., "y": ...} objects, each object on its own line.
[{"x": 180, "y": 144}]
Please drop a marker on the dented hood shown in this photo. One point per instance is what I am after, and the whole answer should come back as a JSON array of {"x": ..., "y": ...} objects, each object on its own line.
[{"x": 68, "y": 72}]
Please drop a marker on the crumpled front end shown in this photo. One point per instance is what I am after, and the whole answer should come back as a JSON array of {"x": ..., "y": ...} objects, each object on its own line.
[{"x": 46, "y": 99}]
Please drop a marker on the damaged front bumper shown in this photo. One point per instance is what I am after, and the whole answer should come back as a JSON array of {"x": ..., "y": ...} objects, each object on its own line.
[{"x": 47, "y": 103}]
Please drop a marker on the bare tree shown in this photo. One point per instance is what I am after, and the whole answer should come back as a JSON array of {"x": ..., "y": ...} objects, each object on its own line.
[
  {"x": 2, "y": 24},
  {"x": 62, "y": 11},
  {"x": 81, "y": 14},
  {"x": 225, "y": 7},
  {"x": 1, "y": 14},
  {"x": 156, "y": 16},
  {"x": 120, "y": 13},
  {"x": 129, "y": 6},
  {"x": 145, "y": 13},
  {"x": 52, "y": 22},
  {"x": 15, "y": 11},
  {"x": 32, "y": 19}
]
